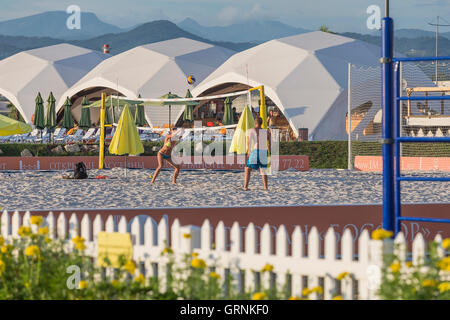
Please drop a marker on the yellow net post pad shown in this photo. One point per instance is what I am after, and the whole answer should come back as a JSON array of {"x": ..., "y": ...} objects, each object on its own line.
[
  {"x": 262, "y": 106},
  {"x": 112, "y": 246},
  {"x": 101, "y": 154}
]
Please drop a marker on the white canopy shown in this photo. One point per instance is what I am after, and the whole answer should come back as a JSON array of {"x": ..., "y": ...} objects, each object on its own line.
[
  {"x": 304, "y": 75},
  {"x": 153, "y": 70},
  {"x": 49, "y": 69}
]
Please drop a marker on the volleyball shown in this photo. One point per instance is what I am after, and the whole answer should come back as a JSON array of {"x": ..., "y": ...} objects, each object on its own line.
[{"x": 191, "y": 80}]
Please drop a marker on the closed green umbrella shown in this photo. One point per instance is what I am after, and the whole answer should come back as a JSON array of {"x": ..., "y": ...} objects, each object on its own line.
[
  {"x": 67, "y": 120},
  {"x": 39, "y": 117},
  {"x": 228, "y": 117},
  {"x": 108, "y": 118},
  {"x": 188, "y": 115},
  {"x": 50, "y": 118},
  {"x": 85, "y": 121},
  {"x": 139, "y": 117}
]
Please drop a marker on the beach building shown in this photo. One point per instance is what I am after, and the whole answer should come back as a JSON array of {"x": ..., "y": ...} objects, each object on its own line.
[
  {"x": 150, "y": 70},
  {"x": 305, "y": 78},
  {"x": 49, "y": 69}
]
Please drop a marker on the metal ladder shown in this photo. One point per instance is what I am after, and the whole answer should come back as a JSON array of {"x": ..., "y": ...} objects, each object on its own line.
[{"x": 398, "y": 139}]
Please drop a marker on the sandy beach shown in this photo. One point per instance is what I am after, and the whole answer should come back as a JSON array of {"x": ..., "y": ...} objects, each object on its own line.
[{"x": 33, "y": 190}]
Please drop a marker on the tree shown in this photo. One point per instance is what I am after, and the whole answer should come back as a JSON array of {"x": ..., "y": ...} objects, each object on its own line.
[
  {"x": 324, "y": 28},
  {"x": 14, "y": 113}
]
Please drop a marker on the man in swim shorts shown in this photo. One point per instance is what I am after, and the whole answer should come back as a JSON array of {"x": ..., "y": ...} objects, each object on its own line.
[
  {"x": 166, "y": 154},
  {"x": 258, "y": 146}
]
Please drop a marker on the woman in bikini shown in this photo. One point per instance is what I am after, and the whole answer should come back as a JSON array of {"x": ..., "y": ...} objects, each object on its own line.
[
  {"x": 260, "y": 140},
  {"x": 166, "y": 154}
]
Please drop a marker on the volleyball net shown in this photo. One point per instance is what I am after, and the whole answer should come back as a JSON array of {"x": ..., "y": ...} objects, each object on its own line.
[
  {"x": 418, "y": 118},
  {"x": 163, "y": 113}
]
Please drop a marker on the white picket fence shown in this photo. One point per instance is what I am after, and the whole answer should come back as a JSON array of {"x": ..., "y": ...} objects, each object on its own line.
[{"x": 299, "y": 264}]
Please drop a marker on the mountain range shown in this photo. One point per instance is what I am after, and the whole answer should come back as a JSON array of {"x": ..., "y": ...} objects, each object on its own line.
[
  {"x": 413, "y": 47},
  {"x": 418, "y": 33},
  {"x": 49, "y": 28},
  {"x": 150, "y": 32},
  {"x": 119, "y": 42},
  {"x": 52, "y": 24},
  {"x": 250, "y": 31}
]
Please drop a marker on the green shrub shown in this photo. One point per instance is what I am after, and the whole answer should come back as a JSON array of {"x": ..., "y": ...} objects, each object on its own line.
[{"x": 322, "y": 154}]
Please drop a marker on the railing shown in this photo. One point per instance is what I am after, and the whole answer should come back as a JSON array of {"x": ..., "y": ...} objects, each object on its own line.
[{"x": 299, "y": 260}]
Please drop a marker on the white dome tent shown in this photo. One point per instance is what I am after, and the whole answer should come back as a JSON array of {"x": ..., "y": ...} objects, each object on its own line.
[
  {"x": 304, "y": 75},
  {"x": 153, "y": 70},
  {"x": 50, "y": 69}
]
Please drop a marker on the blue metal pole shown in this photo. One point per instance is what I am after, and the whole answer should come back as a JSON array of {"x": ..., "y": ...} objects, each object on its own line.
[
  {"x": 388, "y": 141},
  {"x": 397, "y": 132}
]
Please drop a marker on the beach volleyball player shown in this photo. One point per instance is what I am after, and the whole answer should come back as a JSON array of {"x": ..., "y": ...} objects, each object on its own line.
[
  {"x": 258, "y": 146},
  {"x": 166, "y": 154}
]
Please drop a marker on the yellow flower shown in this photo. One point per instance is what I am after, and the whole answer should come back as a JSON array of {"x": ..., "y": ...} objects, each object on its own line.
[
  {"x": 115, "y": 283},
  {"x": 24, "y": 231},
  {"x": 2, "y": 267},
  {"x": 27, "y": 285},
  {"x": 79, "y": 243},
  {"x": 130, "y": 267},
  {"x": 259, "y": 296},
  {"x": 80, "y": 246},
  {"x": 317, "y": 289},
  {"x": 409, "y": 264},
  {"x": 428, "y": 283},
  {"x": 381, "y": 234},
  {"x": 295, "y": 298},
  {"x": 342, "y": 275},
  {"x": 337, "y": 298},
  {"x": 267, "y": 268},
  {"x": 83, "y": 284},
  {"x": 2, "y": 240},
  {"x": 395, "y": 267},
  {"x": 32, "y": 251},
  {"x": 444, "y": 287},
  {"x": 306, "y": 292},
  {"x": 167, "y": 250},
  {"x": 140, "y": 279},
  {"x": 446, "y": 243},
  {"x": 198, "y": 263},
  {"x": 187, "y": 235},
  {"x": 47, "y": 240},
  {"x": 43, "y": 231},
  {"x": 214, "y": 275},
  {"x": 444, "y": 264},
  {"x": 37, "y": 220},
  {"x": 194, "y": 254},
  {"x": 6, "y": 248},
  {"x": 77, "y": 239}
]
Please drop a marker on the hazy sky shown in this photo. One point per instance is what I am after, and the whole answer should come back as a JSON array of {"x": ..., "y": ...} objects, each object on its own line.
[{"x": 339, "y": 15}]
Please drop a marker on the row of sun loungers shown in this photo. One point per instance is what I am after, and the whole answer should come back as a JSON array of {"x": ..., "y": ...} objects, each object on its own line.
[
  {"x": 429, "y": 133},
  {"x": 92, "y": 135},
  {"x": 60, "y": 136}
]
